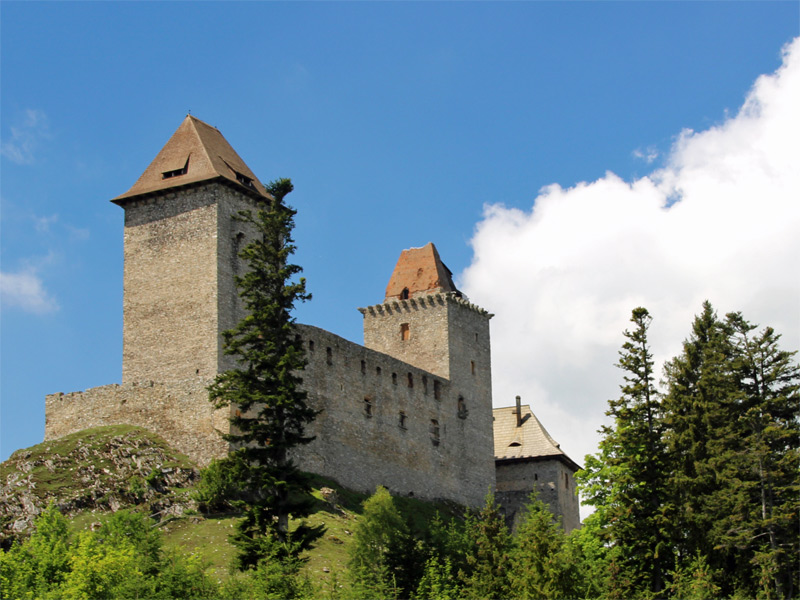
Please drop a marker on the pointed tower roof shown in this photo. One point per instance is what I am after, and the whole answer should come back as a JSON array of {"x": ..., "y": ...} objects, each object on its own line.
[
  {"x": 419, "y": 270},
  {"x": 196, "y": 152}
]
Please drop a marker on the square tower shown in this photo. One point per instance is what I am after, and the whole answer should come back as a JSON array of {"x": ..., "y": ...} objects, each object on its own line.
[
  {"x": 181, "y": 254},
  {"x": 426, "y": 322}
]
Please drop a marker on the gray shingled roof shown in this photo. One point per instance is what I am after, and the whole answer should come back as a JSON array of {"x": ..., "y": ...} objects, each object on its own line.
[
  {"x": 203, "y": 154},
  {"x": 529, "y": 440}
]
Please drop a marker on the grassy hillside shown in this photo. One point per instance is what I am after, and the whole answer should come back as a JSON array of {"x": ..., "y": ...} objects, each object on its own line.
[{"x": 92, "y": 473}]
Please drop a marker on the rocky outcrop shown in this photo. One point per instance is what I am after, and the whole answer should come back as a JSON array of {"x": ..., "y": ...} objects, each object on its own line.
[{"x": 101, "y": 469}]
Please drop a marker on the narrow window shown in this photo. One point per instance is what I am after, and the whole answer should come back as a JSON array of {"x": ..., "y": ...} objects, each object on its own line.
[
  {"x": 535, "y": 477},
  {"x": 437, "y": 390},
  {"x": 363, "y": 367},
  {"x": 310, "y": 345},
  {"x": 402, "y": 422},
  {"x": 378, "y": 371},
  {"x": 394, "y": 378},
  {"x": 566, "y": 481},
  {"x": 462, "y": 408},
  {"x": 404, "y": 294},
  {"x": 472, "y": 366},
  {"x": 329, "y": 356},
  {"x": 410, "y": 380},
  {"x": 405, "y": 334},
  {"x": 367, "y": 407},
  {"x": 425, "y": 384},
  {"x": 476, "y": 337},
  {"x": 435, "y": 432}
]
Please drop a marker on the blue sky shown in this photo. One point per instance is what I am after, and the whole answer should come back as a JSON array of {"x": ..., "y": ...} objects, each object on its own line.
[{"x": 399, "y": 123}]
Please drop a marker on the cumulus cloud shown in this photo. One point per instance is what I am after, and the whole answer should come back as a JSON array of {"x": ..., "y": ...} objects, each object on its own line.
[
  {"x": 25, "y": 290},
  {"x": 26, "y": 136},
  {"x": 719, "y": 221}
]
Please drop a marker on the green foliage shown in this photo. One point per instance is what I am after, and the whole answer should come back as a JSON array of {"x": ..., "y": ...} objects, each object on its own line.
[
  {"x": 122, "y": 559},
  {"x": 376, "y": 555},
  {"x": 625, "y": 481},
  {"x": 487, "y": 559},
  {"x": 694, "y": 581},
  {"x": 219, "y": 487},
  {"x": 270, "y": 410},
  {"x": 542, "y": 564},
  {"x": 438, "y": 581}
]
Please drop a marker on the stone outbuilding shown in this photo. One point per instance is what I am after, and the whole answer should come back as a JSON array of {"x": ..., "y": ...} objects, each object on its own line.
[{"x": 526, "y": 458}]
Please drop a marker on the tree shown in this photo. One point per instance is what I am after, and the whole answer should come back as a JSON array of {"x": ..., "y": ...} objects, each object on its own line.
[
  {"x": 487, "y": 558},
  {"x": 376, "y": 553},
  {"x": 542, "y": 565},
  {"x": 764, "y": 519},
  {"x": 625, "y": 481},
  {"x": 270, "y": 410},
  {"x": 702, "y": 407}
]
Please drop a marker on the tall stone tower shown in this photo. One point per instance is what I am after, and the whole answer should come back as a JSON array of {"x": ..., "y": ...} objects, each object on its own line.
[
  {"x": 426, "y": 322},
  {"x": 181, "y": 253}
]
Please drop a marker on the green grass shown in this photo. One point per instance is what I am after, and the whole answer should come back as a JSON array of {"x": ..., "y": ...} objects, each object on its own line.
[{"x": 64, "y": 468}]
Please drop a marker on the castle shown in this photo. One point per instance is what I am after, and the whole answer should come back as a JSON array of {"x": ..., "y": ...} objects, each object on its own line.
[{"x": 411, "y": 409}]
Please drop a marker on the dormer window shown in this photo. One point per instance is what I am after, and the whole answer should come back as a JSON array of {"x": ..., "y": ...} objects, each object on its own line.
[
  {"x": 176, "y": 172},
  {"x": 244, "y": 180}
]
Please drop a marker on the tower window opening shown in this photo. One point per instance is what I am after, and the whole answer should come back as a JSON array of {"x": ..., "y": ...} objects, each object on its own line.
[
  {"x": 410, "y": 380},
  {"x": 472, "y": 366},
  {"x": 244, "y": 180},
  {"x": 329, "y": 355},
  {"x": 378, "y": 371},
  {"x": 435, "y": 432},
  {"x": 405, "y": 333},
  {"x": 566, "y": 481},
  {"x": 367, "y": 407},
  {"x": 402, "y": 422},
  {"x": 437, "y": 390},
  {"x": 310, "y": 345},
  {"x": 394, "y": 378},
  {"x": 462, "y": 408},
  {"x": 363, "y": 367},
  {"x": 404, "y": 294},
  {"x": 425, "y": 384}
]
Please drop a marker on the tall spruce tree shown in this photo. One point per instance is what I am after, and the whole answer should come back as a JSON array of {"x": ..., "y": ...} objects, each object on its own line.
[
  {"x": 702, "y": 410},
  {"x": 625, "y": 481},
  {"x": 763, "y": 520},
  {"x": 269, "y": 409}
]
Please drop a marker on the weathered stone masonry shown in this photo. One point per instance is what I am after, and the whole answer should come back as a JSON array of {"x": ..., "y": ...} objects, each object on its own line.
[{"x": 411, "y": 409}]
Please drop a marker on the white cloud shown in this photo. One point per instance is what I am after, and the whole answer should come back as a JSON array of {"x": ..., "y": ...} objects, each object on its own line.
[
  {"x": 25, "y": 137},
  {"x": 721, "y": 221},
  {"x": 648, "y": 155},
  {"x": 25, "y": 290}
]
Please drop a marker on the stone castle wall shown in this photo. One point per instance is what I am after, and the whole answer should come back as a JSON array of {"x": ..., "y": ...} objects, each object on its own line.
[
  {"x": 360, "y": 447},
  {"x": 552, "y": 480},
  {"x": 178, "y": 411},
  {"x": 389, "y": 423}
]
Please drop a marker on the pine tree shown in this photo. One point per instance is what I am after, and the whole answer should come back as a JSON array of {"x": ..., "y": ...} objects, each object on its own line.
[
  {"x": 702, "y": 409},
  {"x": 376, "y": 553},
  {"x": 764, "y": 520},
  {"x": 625, "y": 481},
  {"x": 542, "y": 565},
  {"x": 487, "y": 556},
  {"x": 270, "y": 411}
]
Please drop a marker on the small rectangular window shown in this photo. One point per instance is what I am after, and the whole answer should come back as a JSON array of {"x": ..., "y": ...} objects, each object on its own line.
[
  {"x": 405, "y": 333},
  {"x": 394, "y": 378},
  {"x": 425, "y": 385},
  {"x": 329, "y": 356},
  {"x": 402, "y": 422},
  {"x": 472, "y": 366},
  {"x": 367, "y": 407},
  {"x": 363, "y": 367},
  {"x": 434, "y": 432},
  {"x": 410, "y": 380},
  {"x": 437, "y": 390}
]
